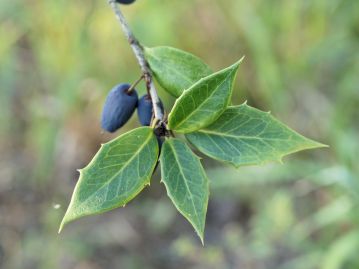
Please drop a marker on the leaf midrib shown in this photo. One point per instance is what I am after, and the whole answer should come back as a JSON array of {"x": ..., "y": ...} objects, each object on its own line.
[
  {"x": 182, "y": 173},
  {"x": 197, "y": 108},
  {"x": 122, "y": 168},
  {"x": 239, "y": 136}
]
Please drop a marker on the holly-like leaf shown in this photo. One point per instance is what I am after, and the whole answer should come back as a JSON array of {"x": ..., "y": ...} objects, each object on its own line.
[
  {"x": 204, "y": 102},
  {"x": 118, "y": 172},
  {"x": 186, "y": 182},
  {"x": 243, "y": 135},
  {"x": 174, "y": 69}
]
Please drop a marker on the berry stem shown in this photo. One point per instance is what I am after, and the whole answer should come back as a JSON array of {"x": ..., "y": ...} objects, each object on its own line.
[
  {"x": 134, "y": 84},
  {"x": 138, "y": 51}
]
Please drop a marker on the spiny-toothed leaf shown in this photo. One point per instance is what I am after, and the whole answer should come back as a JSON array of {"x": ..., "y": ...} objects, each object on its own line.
[
  {"x": 243, "y": 135},
  {"x": 203, "y": 102},
  {"x": 186, "y": 182},
  {"x": 118, "y": 172},
  {"x": 174, "y": 69}
]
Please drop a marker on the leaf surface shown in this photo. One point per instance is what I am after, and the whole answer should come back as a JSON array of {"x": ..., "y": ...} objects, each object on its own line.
[
  {"x": 118, "y": 172},
  {"x": 243, "y": 135},
  {"x": 204, "y": 102},
  {"x": 174, "y": 69},
  {"x": 186, "y": 182}
]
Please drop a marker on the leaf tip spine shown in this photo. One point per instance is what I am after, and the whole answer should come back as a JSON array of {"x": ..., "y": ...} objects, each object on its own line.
[
  {"x": 62, "y": 224},
  {"x": 202, "y": 239},
  {"x": 320, "y": 145}
]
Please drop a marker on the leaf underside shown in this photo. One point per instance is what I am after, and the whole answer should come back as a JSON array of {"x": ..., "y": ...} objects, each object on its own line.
[
  {"x": 243, "y": 135},
  {"x": 203, "y": 102},
  {"x": 174, "y": 69},
  {"x": 186, "y": 182},
  {"x": 118, "y": 172}
]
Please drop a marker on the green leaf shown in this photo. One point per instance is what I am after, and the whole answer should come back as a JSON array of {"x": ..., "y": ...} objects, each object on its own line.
[
  {"x": 243, "y": 135},
  {"x": 204, "y": 102},
  {"x": 186, "y": 182},
  {"x": 174, "y": 69},
  {"x": 118, "y": 172}
]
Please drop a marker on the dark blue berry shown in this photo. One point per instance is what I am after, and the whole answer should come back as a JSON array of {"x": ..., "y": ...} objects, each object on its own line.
[
  {"x": 126, "y": 2},
  {"x": 119, "y": 107},
  {"x": 145, "y": 110}
]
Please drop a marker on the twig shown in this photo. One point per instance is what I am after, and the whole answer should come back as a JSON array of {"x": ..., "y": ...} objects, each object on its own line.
[{"x": 138, "y": 51}]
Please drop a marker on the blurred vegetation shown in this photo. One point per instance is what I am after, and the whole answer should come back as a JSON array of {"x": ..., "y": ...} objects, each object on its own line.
[{"x": 58, "y": 60}]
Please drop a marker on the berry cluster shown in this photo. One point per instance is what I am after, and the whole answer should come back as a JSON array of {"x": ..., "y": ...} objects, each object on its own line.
[{"x": 120, "y": 104}]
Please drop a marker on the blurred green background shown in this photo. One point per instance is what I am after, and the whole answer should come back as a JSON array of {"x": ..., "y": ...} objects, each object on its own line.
[{"x": 58, "y": 60}]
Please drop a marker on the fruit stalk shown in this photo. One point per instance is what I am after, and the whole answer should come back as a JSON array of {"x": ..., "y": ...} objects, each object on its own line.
[{"x": 138, "y": 51}]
